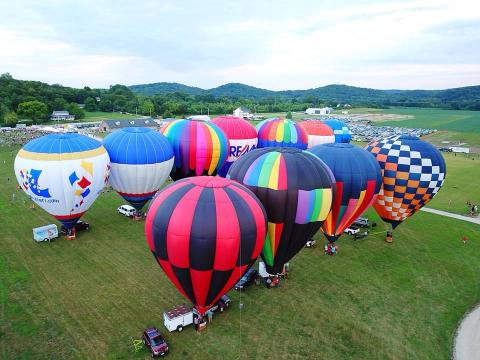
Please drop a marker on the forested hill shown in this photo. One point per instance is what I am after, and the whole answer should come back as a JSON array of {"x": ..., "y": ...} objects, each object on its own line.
[{"x": 457, "y": 98}]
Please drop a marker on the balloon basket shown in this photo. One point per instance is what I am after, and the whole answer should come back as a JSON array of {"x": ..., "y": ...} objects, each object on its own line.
[
  {"x": 137, "y": 217},
  {"x": 389, "y": 237},
  {"x": 70, "y": 237}
]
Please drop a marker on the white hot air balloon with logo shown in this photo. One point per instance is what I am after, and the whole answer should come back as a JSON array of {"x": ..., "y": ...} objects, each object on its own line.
[{"x": 63, "y": 174}]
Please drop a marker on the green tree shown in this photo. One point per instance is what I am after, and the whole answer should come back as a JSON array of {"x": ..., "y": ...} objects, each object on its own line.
[
  {"x": 34, "y": 110},
  {"x": 10, "y": 119},
  {"x": 59, "y": 104},
  {"x": 75, "y": 110},
  {"x": 147, "y": 107},
  {"x": 90, "y": 104},
  {"x": 289, "y": 115}
]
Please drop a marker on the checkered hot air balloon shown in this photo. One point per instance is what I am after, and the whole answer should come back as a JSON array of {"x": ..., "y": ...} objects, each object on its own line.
[
  {"x": 205, "y": 232},
  {"x": 200, "y": 147},
  {"x": 141, "y": 160},
  {"x": 357, "y": 181},
  {"x": 63, "y": 174},
  {"x": 241, "y": 135},
  {"x": 340, "y": 130},
  {"x": 318, "y": 132},
  {"x": 413, "y": 172},
  {"x": 296, "y": 189},
  {"x": 281, "y": 132}
]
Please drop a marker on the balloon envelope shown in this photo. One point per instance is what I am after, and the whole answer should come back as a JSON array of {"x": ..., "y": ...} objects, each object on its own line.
[
  {"x": 281, "y": 132},
  {"x": 413, "y": 173},
  {"x": 295, "y": 187},
  {"x": 63, "y": 174},
  {"x": 205, "y": 232},
  {"x": 141, "y": 160},
  {"x": 241, "y": 135},
  {"x": 200, "y": 147},
  {"x": 340, "y": 130},
  {"x": 318, "y": 132},
  {"x": 357, "y": 181}
]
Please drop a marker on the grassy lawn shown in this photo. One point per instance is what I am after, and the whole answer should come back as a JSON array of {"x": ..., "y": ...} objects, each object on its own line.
[
  {"x": 85, "y": 298},
  {"x": 100, "y": 116},
  {"x": 461, "y": 184}
]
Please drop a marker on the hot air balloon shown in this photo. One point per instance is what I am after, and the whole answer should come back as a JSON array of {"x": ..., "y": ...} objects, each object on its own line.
[
  {"x": 413, "y": 173},
  {"x": 340, "y": 130},
  {"x": 318, "y": 132},
  {"x": 281, "y": 132},
  {"x": 141, "y": 160},
  {"x": 200, "y": 147},
  {"x": 63, "y": 174},
  {"x": 358, "y": 180},
  {"x": 296, "y": 189},
  {"x": 241, "y": 135},
  {"x": 205, "y": 232}
]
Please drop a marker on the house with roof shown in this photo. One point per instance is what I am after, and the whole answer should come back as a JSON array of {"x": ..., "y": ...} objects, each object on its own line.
[
  {"x": 114, "y": 124},
  {"x": 61, "y": 116},
  {"x": 243, "y": 112}
]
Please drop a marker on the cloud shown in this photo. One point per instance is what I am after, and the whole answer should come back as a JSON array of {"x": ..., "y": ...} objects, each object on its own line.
[{"x": 281, "y": 45}]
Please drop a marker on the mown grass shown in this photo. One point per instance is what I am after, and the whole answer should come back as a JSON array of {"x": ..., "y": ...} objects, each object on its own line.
[
  {"x": 85, "y": 298},
  {"x": 100, "y": 116}
]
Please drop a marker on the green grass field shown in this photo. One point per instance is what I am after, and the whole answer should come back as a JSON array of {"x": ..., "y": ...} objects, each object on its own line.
[
  {"x": 86, "y": 298},
  {"x": 100, "y": 116}
]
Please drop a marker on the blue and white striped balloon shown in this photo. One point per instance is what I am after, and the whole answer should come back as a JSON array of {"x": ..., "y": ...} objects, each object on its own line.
[{"x": 141, "y": 160}]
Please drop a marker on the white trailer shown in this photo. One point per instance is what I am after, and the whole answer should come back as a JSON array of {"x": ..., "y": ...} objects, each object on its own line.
[
  {"x": 45, "y": 233},
  {"x": 178, "y": 318}
]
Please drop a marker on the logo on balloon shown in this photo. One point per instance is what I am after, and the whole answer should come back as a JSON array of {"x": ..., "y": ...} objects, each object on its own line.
[
  {"x": 30, "y": 181},
  {"x": 81, "y": 184},
  {"x": 239, "y": 150}
]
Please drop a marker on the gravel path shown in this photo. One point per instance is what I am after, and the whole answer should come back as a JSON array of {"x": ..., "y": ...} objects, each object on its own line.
[
  {"x": 467, "y": 341},
  {"x": 475, "y": 220}
]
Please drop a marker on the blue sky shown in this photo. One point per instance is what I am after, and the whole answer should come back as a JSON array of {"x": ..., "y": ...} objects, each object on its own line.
[{"x": 277, "y": 45}]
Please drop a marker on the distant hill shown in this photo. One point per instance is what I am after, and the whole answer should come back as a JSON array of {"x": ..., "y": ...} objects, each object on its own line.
[
  {"x": 165, "y": 88},
  {"x": 452, "y": 98}
]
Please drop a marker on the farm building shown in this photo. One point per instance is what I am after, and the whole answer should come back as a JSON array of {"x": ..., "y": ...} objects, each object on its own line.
[
  {"x": 61, "y": 116},
  {"x": 113, "y": 124},
  {"x": 243, "y": 112},
  {"x": 319, "y": 111}
]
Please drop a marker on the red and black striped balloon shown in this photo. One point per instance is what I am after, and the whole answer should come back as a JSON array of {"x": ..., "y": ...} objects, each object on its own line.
[{"x": 205, "y": 232}]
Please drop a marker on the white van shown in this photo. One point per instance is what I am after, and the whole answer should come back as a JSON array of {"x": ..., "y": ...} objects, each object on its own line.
[
  {"x": 126, "y": 210},
  {"x": 178, "y": 318},
  {"x": 45, "y": 233}
]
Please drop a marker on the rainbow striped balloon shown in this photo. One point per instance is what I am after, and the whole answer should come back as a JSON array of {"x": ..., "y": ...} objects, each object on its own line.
[
  {"x": 200, "y": 147},
  {"x": 281, "y": 132},
  {"x": 296, "y": 189}
]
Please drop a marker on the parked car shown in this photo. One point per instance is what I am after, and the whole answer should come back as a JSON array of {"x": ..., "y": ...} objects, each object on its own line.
[
  {"x": 178, "y": 318},
  {"x": 360, "y": 235},
  {"x": 361, "y": 222},
  {"x": 79, "y": 226},
  {"x": 310, "y": 243},
  {"x": 352, "y": 230},
  {"x": 246, "y": 279},
  {"x": 155, "y": 342},
  {"x": 45, "y": 233},
  {"x": 126, "y": 210}
]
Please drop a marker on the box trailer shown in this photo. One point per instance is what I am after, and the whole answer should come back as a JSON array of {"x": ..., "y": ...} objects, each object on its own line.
[
  {"x": 178, "y": 318},
  {"x": 45, "y": 233}
]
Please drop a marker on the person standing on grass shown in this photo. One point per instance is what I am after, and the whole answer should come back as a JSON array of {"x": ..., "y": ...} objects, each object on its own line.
[
  {"x": 464, "y": 239},
  {"x": 210, "y": 316}
]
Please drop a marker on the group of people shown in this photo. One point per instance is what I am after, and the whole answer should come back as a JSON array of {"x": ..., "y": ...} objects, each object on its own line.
[
  {"x": 18, "y": 137},
  {"x": 472, "y": 208},
  {"x": 330, "y": 249}
]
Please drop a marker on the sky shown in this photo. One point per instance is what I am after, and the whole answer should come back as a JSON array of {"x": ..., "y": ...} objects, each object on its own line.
[{"x": 277, "y": 45}]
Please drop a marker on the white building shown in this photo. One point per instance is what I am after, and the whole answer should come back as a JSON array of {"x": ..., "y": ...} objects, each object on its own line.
[
  {"x": 319, "y": 111},
  {"x": 61, "y": 116},
  {"x": 243, "y": 112}
]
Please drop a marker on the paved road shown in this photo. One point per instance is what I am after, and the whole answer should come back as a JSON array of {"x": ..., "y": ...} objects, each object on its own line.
[
  {"x": 475, "y": 220},
  {"x": 467, "y": 342}
]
